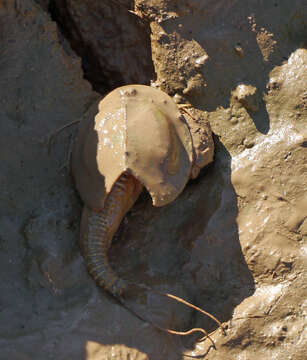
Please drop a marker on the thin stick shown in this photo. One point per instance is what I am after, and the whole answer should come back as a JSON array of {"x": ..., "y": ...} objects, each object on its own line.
[
  {"x": 189, "y": 332},
  {"x": 68, "y": 156},
  {"x": 179, "y": 299},
  {"x": 170, "y": 331},
  {"x": 57, "y": 131},
  {"x": 195, "y": 308},
  {"x": 184, "y": 108}
]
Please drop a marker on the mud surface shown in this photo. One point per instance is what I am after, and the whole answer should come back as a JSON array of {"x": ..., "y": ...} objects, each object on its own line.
[{"x": 233, "y": 243}]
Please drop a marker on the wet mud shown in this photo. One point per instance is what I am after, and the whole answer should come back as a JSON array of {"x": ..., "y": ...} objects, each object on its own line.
[{"x": 234, "y": 241}]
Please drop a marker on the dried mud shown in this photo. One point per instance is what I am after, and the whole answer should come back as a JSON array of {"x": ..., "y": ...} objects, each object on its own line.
[{"x": 234, "y": 242}]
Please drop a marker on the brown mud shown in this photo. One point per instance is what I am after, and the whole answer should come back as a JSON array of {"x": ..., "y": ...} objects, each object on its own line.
[{"x": 233, "y": 243}]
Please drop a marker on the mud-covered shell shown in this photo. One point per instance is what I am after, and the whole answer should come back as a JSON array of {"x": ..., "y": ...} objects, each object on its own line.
[
  {"x": 138, "y": 129},
  {"x": 201, "y": 133}
]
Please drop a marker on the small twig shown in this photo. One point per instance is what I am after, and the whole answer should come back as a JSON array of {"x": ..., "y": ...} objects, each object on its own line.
[
  {"x": 251, "y": 317},
  {"x": 200, "y": 356},
  {"x": 195, "y": 308},
  {"x": 184, "y": 333},
  {"x": 184, "y": 108},
  {"x": 57, "y": 131},
  {"x": 169, "y": 331},
  {"x": 68, "y": 156},
  {"x": 191, "y": 331}
]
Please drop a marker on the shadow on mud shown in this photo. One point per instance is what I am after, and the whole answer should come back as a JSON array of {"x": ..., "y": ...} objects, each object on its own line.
[{"x": 189, "y": 248}]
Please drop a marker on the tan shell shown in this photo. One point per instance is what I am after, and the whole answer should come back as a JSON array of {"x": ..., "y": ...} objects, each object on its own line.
[{"x": 138, "y": 129}]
